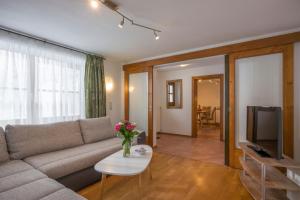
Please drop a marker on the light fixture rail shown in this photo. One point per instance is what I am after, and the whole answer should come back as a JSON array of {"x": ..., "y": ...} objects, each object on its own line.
[{"x": 114, "y": 7}]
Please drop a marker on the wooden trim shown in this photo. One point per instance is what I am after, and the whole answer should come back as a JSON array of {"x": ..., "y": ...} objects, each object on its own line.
[
  {"x": 127, "y": 72},
  {"x": 288, "y": 92},
  {"x": 150, "y": 106},
  {"x": 194, "y": 101},
  {"x": 234, "y": 153},
  {"x": 226, "y": 110},
  {"x": 288, "y": 100},
  {"x": 174, "y": 134},
  {"x": 222, "y": 50}
]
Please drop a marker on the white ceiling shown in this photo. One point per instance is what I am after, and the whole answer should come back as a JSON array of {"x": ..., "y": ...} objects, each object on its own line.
[{"x": 186, "y": 24}]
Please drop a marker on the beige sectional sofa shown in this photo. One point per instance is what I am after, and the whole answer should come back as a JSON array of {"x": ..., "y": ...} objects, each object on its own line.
[{"x": 38, "y": 161}]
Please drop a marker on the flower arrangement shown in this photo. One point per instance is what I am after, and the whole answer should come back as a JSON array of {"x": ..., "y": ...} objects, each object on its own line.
[{"x": 126, "y": 131}]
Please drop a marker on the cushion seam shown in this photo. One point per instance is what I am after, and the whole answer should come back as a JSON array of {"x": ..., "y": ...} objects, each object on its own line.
[
  {"x": 66, "y": 158},
  {"x": 28, "y": 183},
  {"x": 62, "y": 158},
  {"x": 24, "y": 184},
  {"x": 17, "y": 173},
  {"x": 52, "y": 193}
]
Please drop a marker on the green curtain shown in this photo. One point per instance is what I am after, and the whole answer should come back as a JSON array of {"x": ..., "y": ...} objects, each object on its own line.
[{"x": 94, "y": 84}]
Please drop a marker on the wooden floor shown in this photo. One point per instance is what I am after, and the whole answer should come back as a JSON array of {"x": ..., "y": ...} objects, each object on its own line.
[
  {"x": 206, "y": 147},
  {"x": 175, "y": 178}
]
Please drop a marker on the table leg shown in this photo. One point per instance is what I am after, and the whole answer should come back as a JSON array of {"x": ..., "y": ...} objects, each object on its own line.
[
  {"x": 103, "y": 179},
  {"x": 263, "y": 179},
  {"x": 140, "y": 180},
  {"x": 150, "y": 171},
  {"x": 139, "y": 193}
]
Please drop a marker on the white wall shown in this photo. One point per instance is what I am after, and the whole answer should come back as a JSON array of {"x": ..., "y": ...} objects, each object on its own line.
[
  {"x": 156, "y": 106},
  {"x": 112, "y": 71},
  {"x": 297, "y": 102},
  {"x": 258, "y": 83},
  {"x": 296, "y": 175},
  {"x": 138, "y": 100},
  {"x": 178, "y": 121}
]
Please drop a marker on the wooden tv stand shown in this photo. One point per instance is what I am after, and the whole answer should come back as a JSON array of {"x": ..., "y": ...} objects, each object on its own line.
[{"x": 261, "y": 177}]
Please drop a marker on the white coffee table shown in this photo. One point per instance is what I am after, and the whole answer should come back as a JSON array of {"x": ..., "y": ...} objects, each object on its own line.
[{"x": 117, "y": 165}]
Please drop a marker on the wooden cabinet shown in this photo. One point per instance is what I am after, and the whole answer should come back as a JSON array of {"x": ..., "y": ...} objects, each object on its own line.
[{"x": 261, "y": 176}]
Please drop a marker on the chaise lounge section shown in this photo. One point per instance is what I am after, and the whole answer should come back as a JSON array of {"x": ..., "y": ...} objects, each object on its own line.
[
  {"x": 19, "y": 180},
  {"x": 40, "y": 161}
]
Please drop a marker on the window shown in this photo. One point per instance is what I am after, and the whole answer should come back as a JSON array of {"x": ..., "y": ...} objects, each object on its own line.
[
  {"x": 174, "y": 94},
  {"x": 38, "y": 85},
  {"x": 171, "y": 94}
]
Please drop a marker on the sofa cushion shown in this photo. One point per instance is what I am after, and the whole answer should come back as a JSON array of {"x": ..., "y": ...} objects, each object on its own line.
[
  {"x": 33, "y": 190},
  {"x": 63, "y": 194},
  {"x": 28, "y": 140},
  {"x": 3, "y": 148},
  {"x": 65, "y": 162},
  {"x": 96, "y": 129},
  {"x": 13, "y": 167},
  {"x": 19, "y": 179}
]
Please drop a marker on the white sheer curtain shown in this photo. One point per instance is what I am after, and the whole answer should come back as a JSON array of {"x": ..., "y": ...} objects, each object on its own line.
[{"x": 39, "y": 82}]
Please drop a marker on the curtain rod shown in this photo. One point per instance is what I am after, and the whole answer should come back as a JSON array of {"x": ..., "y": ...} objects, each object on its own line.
[{"x": 9, "y": 30}]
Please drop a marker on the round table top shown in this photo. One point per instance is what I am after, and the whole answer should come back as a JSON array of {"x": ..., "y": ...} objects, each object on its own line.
[{"x": 116, "y": 164}]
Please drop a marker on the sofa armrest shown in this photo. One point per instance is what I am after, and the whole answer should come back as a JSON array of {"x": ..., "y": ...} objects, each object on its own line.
[{"x": 141, "y": 139}]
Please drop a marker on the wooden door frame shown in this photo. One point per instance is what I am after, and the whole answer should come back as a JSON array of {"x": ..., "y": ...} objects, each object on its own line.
[
  {"x": 134, "y": 70},
  {"x": 288, "y": 99},
  {"x": 284, "y": 39},
  {"x": 195, "y": 80}
]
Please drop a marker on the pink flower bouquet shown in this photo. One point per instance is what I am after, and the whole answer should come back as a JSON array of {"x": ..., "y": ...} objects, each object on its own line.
[{"x": 126, "y": 131}]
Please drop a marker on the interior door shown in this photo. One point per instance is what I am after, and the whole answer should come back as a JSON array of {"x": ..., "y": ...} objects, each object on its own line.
[
  {"x": 261, "y": 77},
  {"x": 138, "y": 100}
]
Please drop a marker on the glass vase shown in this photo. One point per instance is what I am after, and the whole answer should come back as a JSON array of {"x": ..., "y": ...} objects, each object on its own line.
[{"x": 126, "y": 148}]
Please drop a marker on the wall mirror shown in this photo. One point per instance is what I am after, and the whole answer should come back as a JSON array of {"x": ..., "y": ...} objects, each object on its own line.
[{"x": 174, "y": 94}]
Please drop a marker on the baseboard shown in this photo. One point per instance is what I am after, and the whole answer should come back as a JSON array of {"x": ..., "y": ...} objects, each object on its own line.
[{"x": 164, "y": 133}]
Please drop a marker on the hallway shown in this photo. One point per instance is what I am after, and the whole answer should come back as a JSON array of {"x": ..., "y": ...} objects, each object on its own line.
[{"x": 207, "y": 147}]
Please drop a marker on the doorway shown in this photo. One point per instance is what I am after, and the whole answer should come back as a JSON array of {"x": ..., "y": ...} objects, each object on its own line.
[{"x": 207, "y": 113}]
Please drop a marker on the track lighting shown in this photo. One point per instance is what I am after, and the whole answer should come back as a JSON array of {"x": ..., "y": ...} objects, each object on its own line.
[
  {"x": 122, "y": 23},
  {"x": 156, "y": 36},
  {"x": 94, "y": 4},
  {"x": 114, "y": 7}
]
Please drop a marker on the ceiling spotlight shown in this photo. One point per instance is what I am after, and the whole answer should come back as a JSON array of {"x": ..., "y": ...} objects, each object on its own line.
[
  {"x": 94, "y": 4},
  {"x": 184, "y": 65},
  {"x": 122, "y": 23},
  {"x": 156, "y": 36}
]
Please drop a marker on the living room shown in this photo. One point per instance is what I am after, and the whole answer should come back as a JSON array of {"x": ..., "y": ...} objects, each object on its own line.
[{"x": 98, "y": 99}]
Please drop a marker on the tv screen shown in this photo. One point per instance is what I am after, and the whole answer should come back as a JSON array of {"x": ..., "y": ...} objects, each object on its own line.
[{"x": 264, "y": 130}]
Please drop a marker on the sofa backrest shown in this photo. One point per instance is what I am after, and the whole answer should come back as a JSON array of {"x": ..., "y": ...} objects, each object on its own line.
[
  {"x": 96, "y": 129},
  {"x": 28, "y": 140},
  {"x": 3, "y": 147}
]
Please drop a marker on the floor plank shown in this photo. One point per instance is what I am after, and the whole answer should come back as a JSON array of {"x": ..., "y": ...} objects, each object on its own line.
[
  {"x": 175, "y": 178},
  {"x": 206, "y": 147}
]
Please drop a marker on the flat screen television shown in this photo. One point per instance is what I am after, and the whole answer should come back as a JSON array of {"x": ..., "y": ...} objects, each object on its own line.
[{"x": 264, "y": 130}]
